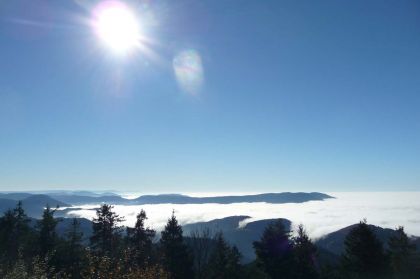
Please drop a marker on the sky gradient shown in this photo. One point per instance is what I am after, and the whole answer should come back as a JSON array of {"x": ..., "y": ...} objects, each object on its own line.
[{"x": 293, "y": 96}]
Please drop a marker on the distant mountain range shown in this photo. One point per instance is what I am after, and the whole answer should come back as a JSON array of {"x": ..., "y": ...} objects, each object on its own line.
[
  {"x": 35, "y": 203},
  {"x": 183, "y": 199},
  {"x": 285, "y": 197},
  {"x": 32, "y": 204}
]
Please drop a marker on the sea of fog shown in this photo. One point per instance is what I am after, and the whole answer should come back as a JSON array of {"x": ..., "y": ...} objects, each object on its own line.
[{"x": 385, "y": 209}]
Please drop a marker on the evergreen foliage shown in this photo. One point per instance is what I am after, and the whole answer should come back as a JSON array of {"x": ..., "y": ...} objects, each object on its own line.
[
  {"x": 275, "y": 251},
  {"x": 106, "y": 236},
  {"x": 140, "y": 241},
  {"x": 72, "y": 251},
  {"x": 305, "y": 256},
  {"x": 47, "y": 236},
  {"x": 224, "y": 261},
  {"x": 15, "y": 235},
  {"x": 402, "y": 255},
  {"x": 175, "y": 254},
  {"x": 364, "y": 255}
]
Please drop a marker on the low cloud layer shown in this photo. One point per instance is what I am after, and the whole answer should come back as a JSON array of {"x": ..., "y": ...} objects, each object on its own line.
[{"x": 387, "y": 210}]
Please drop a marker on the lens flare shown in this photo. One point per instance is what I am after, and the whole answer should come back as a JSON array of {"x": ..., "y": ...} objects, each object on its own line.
[{"x": 189, "y": 71}]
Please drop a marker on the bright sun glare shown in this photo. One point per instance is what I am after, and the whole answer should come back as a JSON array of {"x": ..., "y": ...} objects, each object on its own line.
[{"x": 117, "y": 26}]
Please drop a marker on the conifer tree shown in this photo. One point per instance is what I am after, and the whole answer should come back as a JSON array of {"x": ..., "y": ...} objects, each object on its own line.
[
  {"x": 305, "y": 256},
  {"x": 402, "y": 254},
  {"x": 47, "y": 233},
  {"x": 176, "y": 257},
  {"x": 364, "y": 256},
  {"x": 274, "y": 251},
  {"x": 74, "y": 252},
  {"x": 14, "y": 234},
  {"x": 106, "y": 235},
  {"x": 224, "y": 261},
  {"x": 140, "y": 241}
]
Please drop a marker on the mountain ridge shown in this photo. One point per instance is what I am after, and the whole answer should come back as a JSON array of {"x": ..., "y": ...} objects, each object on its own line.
[{"x": 77, "y": 199}]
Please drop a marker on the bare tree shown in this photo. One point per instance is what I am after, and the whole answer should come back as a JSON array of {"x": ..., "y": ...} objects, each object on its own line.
[{"x": 201, "y": 246}]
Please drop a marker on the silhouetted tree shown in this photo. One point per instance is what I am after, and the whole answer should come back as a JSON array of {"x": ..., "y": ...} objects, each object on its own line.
[
  {"x": 14, "y": 234},
  {"x": 140, "y": 241},
  {"x": 106, "y": 235},
  {"x": 330, "y": 271},
  {"x": 71, "y": 253},
  {"x": 47, "y": 233},
  {"x": 364, "y": 255},
  {"x": 252, "y": 270},
  {"x": 201, "y": 244},
  {"x": 275, "y": 251},
  {"x": 176, "y": 257},
  {"x": 224, "y": 261},
  {"x": 305, "y": 256},
  {"x": 402, "y": 254}
]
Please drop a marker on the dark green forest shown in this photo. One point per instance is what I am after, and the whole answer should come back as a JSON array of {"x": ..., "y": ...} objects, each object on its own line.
[{"x": 113, "y": 251}]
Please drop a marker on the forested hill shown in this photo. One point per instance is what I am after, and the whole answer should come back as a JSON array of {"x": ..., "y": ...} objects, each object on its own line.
[{"x": 32, "y": 204}]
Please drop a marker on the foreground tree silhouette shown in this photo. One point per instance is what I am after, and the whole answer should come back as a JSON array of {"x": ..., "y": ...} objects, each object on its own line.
[
  {"x": 201, "y": 244},
  {"x": 47, "y": 234},
  {"x": 402, "y": 255},
  {"x": 176, "y": 257},
  {"x": 305, "y": 255},
  {"x": 224, "y": 261},
  {"x": 106, "y": 235},
  {"x": 364, "y": 255},
  {"x": 140, "y": 241},
  {"x": 14, "y": 234},
  {"x": 72, "y": 252},
  {"x": 275, "y": 251}
]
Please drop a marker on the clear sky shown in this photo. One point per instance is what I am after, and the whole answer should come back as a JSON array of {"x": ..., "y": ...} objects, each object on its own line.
[{"x": 284, "y": 95}]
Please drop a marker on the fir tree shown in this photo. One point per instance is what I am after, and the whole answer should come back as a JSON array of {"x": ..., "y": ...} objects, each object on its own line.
[
  {"x": 402, "y": 254},
  {"x": 224, "y": 261},
  {"x": 305, "y": 256},
  {"x": 176, "y": 257},
  {"x": 140, "y": 241},
  {"x": 106, "y": 235},
  {"x": 74, "y": 251},
  {"x": 14, "y": 234},
  {"x": 275, "y": 251},
  {"x": 364, "y": 255},
  {"x": 47, "y": 233}
]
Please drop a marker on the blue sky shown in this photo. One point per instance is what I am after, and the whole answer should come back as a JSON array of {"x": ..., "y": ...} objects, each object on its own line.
[{"x": 297, "y": 96}]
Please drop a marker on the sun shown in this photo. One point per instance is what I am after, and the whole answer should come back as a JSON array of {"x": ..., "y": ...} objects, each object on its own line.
[{"x": 117, "y": 26}]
